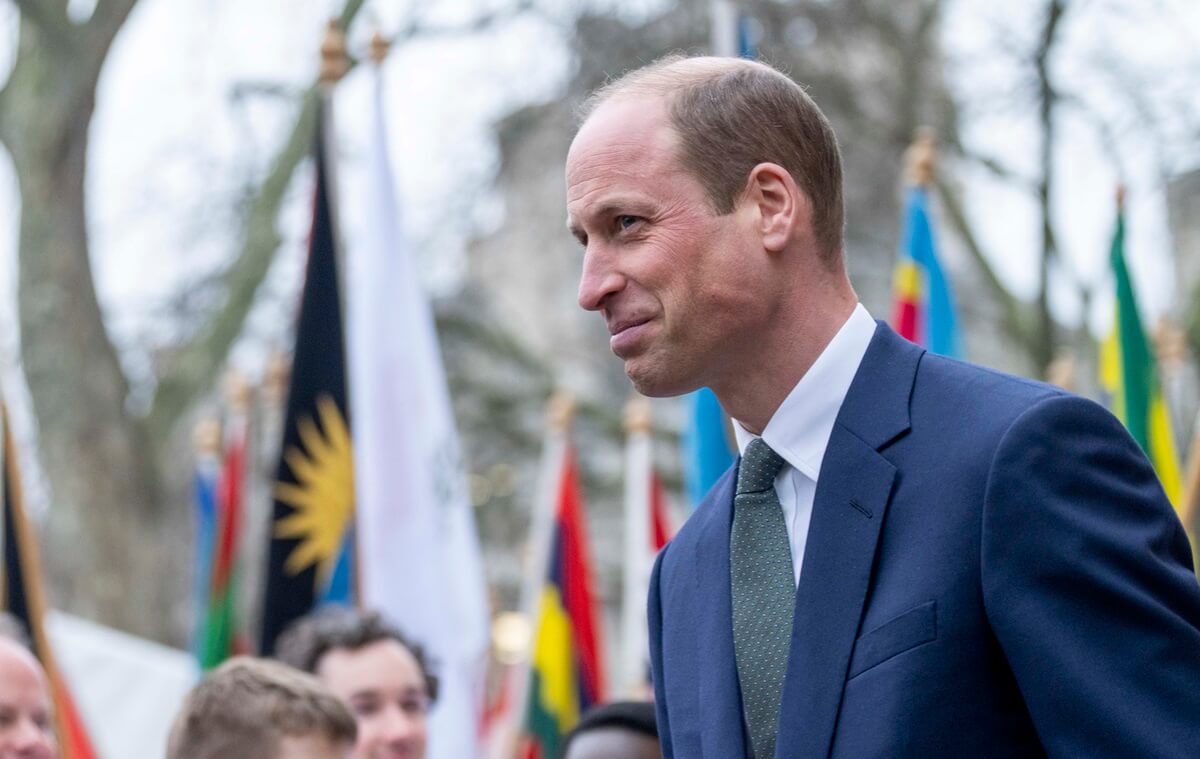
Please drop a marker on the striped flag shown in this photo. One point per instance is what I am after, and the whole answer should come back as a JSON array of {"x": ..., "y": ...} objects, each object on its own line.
[
  {"x": 1129, "y": 374},
  {"x": 25, "y": 600},
  {"x": 923, "y": 309},
  {"x": 204, "y": 489},
  {"x": 566, "y": 673},
  {"x": 222, "y": 636}
]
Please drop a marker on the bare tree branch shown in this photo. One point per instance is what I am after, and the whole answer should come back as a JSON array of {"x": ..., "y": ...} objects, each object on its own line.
[
  {"x": 999, "y": 169},
  {"x": 1018, "y": 327},
  {"x": 53, "y": 21},
  {"x": 1044, "y": 345},
  {"x": 198, "y": 361}
]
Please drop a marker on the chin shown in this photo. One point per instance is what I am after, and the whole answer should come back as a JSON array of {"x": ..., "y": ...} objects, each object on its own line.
[{"x": 659, "y": 384}]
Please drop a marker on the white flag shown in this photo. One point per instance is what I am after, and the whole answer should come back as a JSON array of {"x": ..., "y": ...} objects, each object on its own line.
[{"x": 418, "y": 550}]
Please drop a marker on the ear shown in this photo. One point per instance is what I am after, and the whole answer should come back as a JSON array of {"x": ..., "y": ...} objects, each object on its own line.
[{"x": 782, "y": 210}]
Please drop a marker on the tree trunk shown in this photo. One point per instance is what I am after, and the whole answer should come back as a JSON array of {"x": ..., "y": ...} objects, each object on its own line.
[{"x": 104, "y": 549}]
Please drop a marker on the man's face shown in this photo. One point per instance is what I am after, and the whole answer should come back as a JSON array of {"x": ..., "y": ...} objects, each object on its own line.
[
  {"x": 678, "y": 285},
  {"x": 613, "y": 743},
  {"x": 383, "y": 686},
  {"x": 26, "y": 726}
]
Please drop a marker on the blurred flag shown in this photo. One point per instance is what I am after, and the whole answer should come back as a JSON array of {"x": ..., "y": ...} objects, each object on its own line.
[
  {"x": 707, "y": 447},
  {"x": 923, "y": 310},
  {"x": 25, "y": 600},
  {"x": 733, "y": 32},
  {"x": 222, "y": 637},
  {"x": 311, "y": 534},
  {"x": 924, "y": 305},
  {"x": 566, "y": 671},
  {"x": 1129, "y": 374},
  {"x": 204, "y": 489},
  {"x": 418, "y": 550},
  {"x": 647, "y": 530}
]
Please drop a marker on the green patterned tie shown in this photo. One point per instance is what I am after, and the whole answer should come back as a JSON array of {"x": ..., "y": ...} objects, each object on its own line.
[{"x": 764, "y": 593}]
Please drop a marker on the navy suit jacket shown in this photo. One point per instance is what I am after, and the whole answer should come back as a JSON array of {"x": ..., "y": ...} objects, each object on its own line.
[{"x": 992, "y": 570}]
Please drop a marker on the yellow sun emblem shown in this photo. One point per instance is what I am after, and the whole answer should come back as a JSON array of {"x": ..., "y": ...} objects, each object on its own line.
[{"x": 322, "y": 498}]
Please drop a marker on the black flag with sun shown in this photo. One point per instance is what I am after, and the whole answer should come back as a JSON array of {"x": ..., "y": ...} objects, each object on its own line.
[{"x": 311, "y": 551}]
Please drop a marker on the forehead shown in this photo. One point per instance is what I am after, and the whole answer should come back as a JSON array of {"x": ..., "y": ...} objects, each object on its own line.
[
  {"x": 613, "y": 743},
  {"x": 627, "y": 138},
  {"x": 382, "y": 665},
  {"x": 20, "y": 677}
]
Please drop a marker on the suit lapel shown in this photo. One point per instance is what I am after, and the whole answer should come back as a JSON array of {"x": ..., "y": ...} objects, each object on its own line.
[
  {"x": 853, "y": 491},
  {"x": 721, "y": 731}
]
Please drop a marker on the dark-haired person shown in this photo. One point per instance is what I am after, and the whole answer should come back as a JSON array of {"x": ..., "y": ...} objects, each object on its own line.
[
  {"x": 914, "y": 557},
  {"x": 261, "y": 709},
  {"x": 26, "y": 713},
  {"x": 381, "y": 675},
  {"x": 619, "y": 730}
]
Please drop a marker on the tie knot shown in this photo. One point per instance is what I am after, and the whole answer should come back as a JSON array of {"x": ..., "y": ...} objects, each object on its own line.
[{"x": 760, "y": 465}]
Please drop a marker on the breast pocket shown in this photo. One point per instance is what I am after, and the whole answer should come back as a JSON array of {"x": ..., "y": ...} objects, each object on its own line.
[{"x": 903, "y": 633}]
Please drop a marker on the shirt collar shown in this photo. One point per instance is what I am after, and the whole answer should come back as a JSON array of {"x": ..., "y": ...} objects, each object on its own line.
[{"x": 800, "y": 428}]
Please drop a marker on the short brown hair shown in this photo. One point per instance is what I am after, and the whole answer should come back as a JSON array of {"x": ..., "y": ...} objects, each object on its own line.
[
  {"x": 309, "y": 638},
  {"x": 733, "y": 114},
  {"x": 247, "y": 706}
]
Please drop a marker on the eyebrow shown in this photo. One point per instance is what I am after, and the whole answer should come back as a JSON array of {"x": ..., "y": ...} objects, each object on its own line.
[{"x": 610, "y": 208}]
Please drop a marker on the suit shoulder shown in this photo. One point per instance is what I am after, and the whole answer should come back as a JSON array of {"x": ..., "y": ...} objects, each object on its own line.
[{"x": 946, "y": 381}]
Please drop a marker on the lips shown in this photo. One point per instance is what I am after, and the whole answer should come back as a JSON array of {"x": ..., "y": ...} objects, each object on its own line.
[
  {"x": 626, "y": 334},
  {"x": 617, "y": 327}
]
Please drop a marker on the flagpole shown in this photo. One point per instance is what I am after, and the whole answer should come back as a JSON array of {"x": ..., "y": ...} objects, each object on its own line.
[
  {"x": 334, "y": 65},
  {"x": 724, "y": 28},
  {"x": 72, "y": 740}
]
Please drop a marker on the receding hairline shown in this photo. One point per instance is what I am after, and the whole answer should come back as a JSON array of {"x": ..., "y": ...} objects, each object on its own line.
[
  {"x": 19, "y": 652},
  {"x": 666, "y": 76}
]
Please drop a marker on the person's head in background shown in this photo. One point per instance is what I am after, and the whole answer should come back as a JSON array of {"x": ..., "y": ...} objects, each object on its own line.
[
  {"x": 620, "y": 730},
  {"x": 26, "y": 710},
  {"x": 381, "y": 675},
  {"x": 261, "y": 709}
]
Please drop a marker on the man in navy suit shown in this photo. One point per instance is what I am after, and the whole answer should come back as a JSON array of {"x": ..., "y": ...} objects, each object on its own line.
[{"x": 914, "y": 557}]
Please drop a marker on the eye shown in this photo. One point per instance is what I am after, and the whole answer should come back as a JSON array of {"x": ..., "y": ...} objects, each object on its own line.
[
  {"x": 414, "y": 705},
  {"x": 364, "y": 707},
  {"x": 625, "y": 221}
]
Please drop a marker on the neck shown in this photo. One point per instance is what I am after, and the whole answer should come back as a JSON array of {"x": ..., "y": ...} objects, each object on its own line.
[{"x": 784, "y": 356}]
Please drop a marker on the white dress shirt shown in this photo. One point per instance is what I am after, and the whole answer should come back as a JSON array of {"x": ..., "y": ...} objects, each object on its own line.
[{"x": 800, "y": 428}]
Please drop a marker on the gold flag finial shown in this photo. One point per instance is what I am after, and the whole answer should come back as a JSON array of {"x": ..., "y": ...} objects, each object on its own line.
[
  {"x": 237, "y": 391},
  {"x": 277, "y": 376},
  {"x": 1170, "y": 343},
  {"x": 206, "y": 437},
  {"x": 334, "y": 63},
  {"x": 637, "y": 415},
  {"x": 920, "y": 160},
  {"x": 561, "y": 410},
  {"x": 379, "y": 47}
]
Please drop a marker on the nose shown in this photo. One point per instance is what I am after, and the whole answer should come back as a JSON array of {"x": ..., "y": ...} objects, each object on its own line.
[
  {"x": 600, "y": 278},
  {"x": 30, "y": 740},
  {"x": 401, "y": 727}
]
